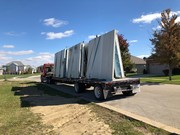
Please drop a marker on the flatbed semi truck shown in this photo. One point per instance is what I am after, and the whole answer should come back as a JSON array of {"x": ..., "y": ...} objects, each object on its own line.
[{"x": 97, "y": 63}]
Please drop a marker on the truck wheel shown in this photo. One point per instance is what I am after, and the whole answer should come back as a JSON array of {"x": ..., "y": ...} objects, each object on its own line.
[
  {"x": 79, "y": 87},
  {"x": 98, "y": 92},
  {"x": 128, "y": 93},
  {"x": 42, "y": 80},
  {"x": 48, "y": 80}
]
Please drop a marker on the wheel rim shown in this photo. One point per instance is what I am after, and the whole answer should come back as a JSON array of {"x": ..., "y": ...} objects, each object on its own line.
[{"x": 97, "y": 92}]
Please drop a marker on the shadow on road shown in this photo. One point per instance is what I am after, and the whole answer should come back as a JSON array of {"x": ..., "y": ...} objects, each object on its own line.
[
  {"x": 151, "y": 83},
  {"x": 38, "y": 94}
]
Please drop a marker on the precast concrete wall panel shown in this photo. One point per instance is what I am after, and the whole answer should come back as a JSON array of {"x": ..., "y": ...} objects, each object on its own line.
[
  {"x": 60, "y": 64},
  {"x": 57, "y": 64},
  {"x": 101, "y": 57},
  {"x": 74, "y": 61}
]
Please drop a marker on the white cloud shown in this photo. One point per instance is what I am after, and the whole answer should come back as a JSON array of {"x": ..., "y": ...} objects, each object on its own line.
[
  {"x": 7, "y": 56},
  {"x": 11, "y": 33},
  {"x": 59, "y": 35},
  {"x": 23, "y": 52},
  {"x": 143, "y": 55},
  {"x": 147, "y": 18},
  {"x": 176, "y": 13},
  {"x": 36, "y": 60},
  {"x": 4, "y": 58},
  {"x": 41, "y": 58},
  {"x": 91, "y": 37},
  {"x": 132, "y": 41},
  {"x": 8, "y": 46},
  {"x": 151, "y": 17},
  {"x": 94, "y": 36},
  {"x": 54, "y": 22},
  {"x": 178, "y": 19},
  {"x": 157, "y": 28}
]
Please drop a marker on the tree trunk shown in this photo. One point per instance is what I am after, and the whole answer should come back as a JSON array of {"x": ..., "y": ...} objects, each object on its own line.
[{"x": 170, "y": 74}]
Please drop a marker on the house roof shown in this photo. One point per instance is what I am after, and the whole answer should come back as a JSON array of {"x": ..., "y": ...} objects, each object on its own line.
[
  {"x": 137, "y": 60},
  {"x": 19, "y": 63},
  {"x": 28, "y": 66}
]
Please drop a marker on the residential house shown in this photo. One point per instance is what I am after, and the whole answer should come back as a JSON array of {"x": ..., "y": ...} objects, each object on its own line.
[
  {"x": 31, "y": 69},
  {"x": 1, "y": 71},
  {"x": 140, "y": 64},
  {"x": 39, "y": 69},
  {"x": 15, "y": 67},
  {"x": 154, "y": 67},
  {"x": 34, "y": 69}
]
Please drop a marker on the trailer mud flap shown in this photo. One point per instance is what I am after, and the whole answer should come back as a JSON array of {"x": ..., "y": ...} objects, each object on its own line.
[
  {"x": 107, "y": 93},
  {"x": 136, "y": 88}
]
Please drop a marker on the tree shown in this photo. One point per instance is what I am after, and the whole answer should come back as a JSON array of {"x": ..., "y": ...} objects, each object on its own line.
[
  {"x": 166, "y": 41},
  {"x": 29, "y": 71},
  {"x": 126, "y": 57}
]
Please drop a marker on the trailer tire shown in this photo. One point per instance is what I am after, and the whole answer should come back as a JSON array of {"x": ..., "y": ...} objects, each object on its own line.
[
  {"x": 79, "y": 87},
  {"x": 98, "y": 92},
  {"x": 128, "y": 93}
]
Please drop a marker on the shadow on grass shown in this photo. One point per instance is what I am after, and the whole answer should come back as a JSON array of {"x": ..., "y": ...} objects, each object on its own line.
[{"x": 39, "y": 94}]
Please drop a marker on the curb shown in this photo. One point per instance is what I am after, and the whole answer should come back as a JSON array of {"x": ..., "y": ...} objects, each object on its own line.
[{"x": 141, "y": 118}]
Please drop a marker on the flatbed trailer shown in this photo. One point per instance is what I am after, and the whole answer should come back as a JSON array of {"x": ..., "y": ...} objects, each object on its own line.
[
  {"x": 97, "y": 63},
  {"x": 102, "y": 88}
]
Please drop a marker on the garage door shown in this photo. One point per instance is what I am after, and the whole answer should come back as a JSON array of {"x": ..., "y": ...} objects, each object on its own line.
[{"x": 157, "y": 68}]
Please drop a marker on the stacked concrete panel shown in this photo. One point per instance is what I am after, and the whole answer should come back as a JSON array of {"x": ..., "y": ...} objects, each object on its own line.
[
  {"x": 60, "y": 64},
  {"x": 98, "y": 59},
  {"x": 57, "y": 64},
  {"x": 104, "y": 59},
  {"x": 75, "y": 61}
]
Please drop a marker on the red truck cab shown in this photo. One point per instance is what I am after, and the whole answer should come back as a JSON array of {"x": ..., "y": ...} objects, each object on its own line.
[{"x": 46, "y": 71}]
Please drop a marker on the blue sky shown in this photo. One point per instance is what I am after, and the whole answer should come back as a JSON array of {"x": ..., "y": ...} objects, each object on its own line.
[{"x": 33, "y": 30}]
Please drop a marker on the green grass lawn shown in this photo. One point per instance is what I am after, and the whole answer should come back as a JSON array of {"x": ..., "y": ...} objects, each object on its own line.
[
  {"x": 131, "y": 74},
  {"x": 19, "y": 76},
  {"x": 122, "y": 125},
  {"x": 14, "y": 119},
  {"x": 162, "y": 79}
]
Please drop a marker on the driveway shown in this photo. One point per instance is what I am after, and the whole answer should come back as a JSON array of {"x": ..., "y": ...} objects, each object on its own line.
[
  {"x": 157, "y": 102},
  {"x": 35, "y": 78}
]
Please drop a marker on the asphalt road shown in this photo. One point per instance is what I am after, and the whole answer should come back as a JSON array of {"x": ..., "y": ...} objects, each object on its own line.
[{"x": 158, "y": 102}]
